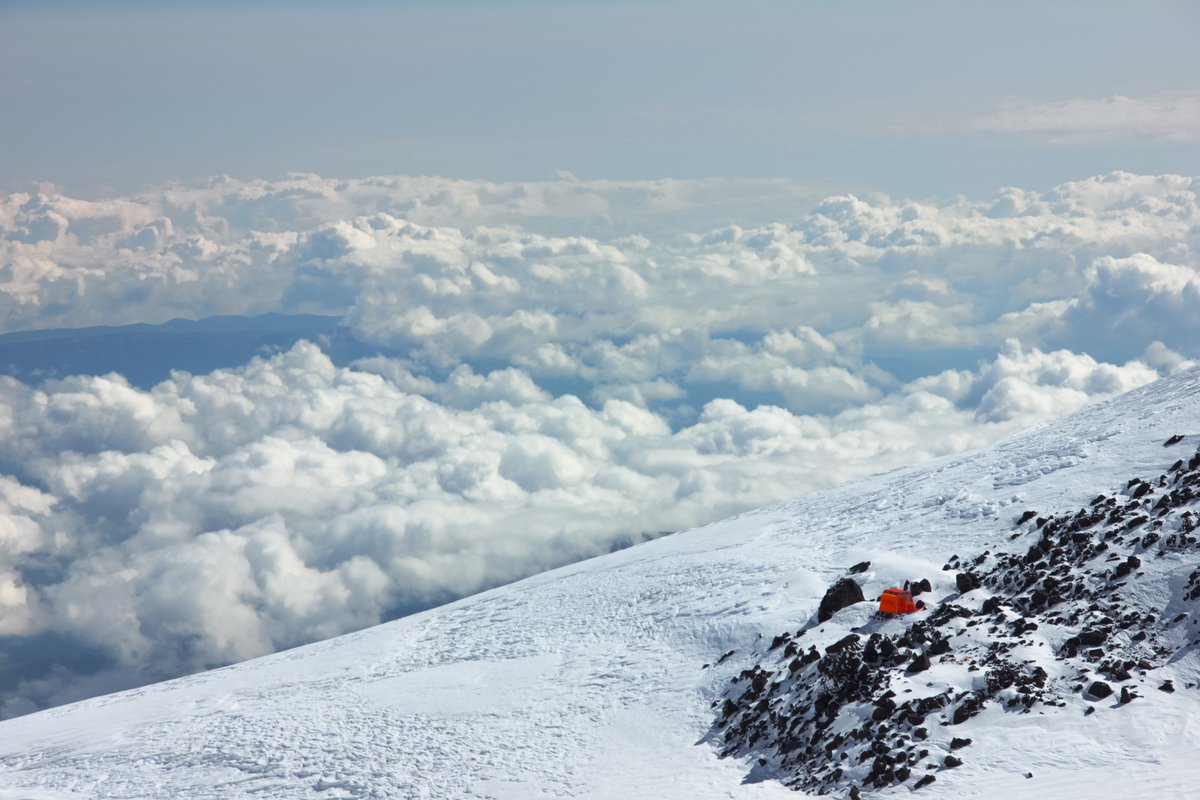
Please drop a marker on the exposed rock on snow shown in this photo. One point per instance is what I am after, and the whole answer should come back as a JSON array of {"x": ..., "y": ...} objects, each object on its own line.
[
  {"x": 845, "y": 592},
  {"x": 1058, "y": 616}
]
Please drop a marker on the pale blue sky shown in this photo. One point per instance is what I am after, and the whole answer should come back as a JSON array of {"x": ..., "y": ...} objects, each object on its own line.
[{"x": 898, "y": 97}]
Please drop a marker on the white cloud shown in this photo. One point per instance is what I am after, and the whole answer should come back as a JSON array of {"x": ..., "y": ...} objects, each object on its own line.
[
  {"x": 291, "y": 500},
  {"x": 1130, "y": 302},
  {"x": 537, "y": 397}
]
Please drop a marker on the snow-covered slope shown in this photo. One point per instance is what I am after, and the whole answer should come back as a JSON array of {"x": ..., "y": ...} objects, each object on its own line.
[{"x": 599, "y": 679}]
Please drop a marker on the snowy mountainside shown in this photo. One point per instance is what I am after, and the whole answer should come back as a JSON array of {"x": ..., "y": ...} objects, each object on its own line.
[{"x": 599, "y": 679}]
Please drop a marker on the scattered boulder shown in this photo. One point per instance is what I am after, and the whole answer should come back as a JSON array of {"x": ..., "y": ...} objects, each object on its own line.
[
  {"x": 884, "y": 708},
  {"x": 1167, "y": 686},
  {"x": 860, "y": 567},
  {"x": 920, "y": 663},
  {"x": 956, "y": 743},
  {"x": 842, "y": 644},
  {"x": 1176, "y": 439},
  {"x": 968, "y": 708},
  {"x": 952, "y": 761},
  {"x": 966, "y": 581},
  {"x": 845, "y": 592},
  {"x": 928, "y": 779},
  {"x": 1099, "y": 690}
]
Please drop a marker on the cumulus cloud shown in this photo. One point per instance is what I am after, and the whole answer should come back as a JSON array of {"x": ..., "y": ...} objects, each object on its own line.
[
  {"x": 219, "y": 517},
  {"x": 521, "y": 393},
  {"x": 1129, "y": 302}
]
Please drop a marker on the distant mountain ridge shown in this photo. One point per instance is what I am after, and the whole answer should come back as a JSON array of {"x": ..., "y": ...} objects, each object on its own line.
[{"x": 145, "y": 354}]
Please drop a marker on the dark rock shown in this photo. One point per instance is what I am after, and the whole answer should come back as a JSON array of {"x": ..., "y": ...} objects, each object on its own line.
[
  {"x": 845, "y": 592},
  {"x": 956, "y": 743},
  {"x": 966, "y": 581},
  {"x": 1099, "y": 690},
  {"x": 952, "y": 761},
  {"x": 843, "y": 643},
  {"x": 1176, "y": 439},
  {"x": 1091, "y": 637},
  {"x": 1087, "y": 712},
  {"x": 883, "y": 709},
  {"x": 939, "y": 647},
  {"x": 1167, "y": 686},
  {"x": 928, "y": 779},
  {"x": 1126, "y": 695},
  {"x": 1028, "y": 515},
  {"x": 860, "y": 567},
  {"x": 729, "y": 709},
  {"x": 921, "y": 586},
  {"x": 966, "y": 709},
  {"x": 919, "y": 664}
]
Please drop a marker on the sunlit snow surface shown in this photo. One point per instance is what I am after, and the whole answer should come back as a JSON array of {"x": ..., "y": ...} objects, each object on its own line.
[{"x": 588, "y": 681}]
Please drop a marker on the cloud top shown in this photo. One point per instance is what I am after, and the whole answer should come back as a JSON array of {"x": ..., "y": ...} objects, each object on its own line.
[{"x": 529, "y": 395}]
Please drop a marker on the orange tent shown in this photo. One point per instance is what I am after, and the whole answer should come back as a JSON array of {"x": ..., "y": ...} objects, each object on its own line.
[{"x": 897, "y": 601}]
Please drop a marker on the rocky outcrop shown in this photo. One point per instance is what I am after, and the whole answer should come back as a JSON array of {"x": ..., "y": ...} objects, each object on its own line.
[
  {"x": 845, "y": 592},
  {"x": 857, "y": 715}
]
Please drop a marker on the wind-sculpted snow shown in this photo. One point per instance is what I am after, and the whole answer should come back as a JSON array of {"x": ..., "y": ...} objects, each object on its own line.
[{"x": 589, "y": 680}]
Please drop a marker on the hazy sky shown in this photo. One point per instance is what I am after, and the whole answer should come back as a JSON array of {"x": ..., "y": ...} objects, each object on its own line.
[{"x": 913, "y": 98}]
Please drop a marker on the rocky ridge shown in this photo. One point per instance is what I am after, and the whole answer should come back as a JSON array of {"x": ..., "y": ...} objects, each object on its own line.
[{"x": 1054, "y": 626}]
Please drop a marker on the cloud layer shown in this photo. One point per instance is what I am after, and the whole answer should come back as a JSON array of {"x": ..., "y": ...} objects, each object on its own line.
[
  {"x": 1173, "y": 118},
  {"x": 535, "y": 397}
]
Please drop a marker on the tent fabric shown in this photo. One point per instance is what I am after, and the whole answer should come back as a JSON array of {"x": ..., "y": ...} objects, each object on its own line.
[{"x": 897, "y": 601}]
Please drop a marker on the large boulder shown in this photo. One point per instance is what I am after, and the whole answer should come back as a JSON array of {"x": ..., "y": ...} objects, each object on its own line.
[
  {"x": 966, "y": 581},
  {"x": 845, "y": 592}
]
